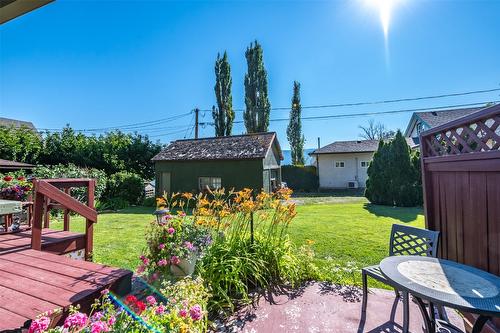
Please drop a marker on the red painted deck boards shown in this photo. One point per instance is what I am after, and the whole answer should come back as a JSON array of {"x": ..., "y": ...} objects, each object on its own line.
[{"x": 32, "y": 281}]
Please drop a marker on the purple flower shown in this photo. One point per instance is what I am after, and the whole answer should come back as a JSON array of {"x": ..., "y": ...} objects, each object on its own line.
[
  {"x": 161, "y": 246},
  {"x": 171, "y": 230},
  {"x": 189, "y": 246},
  {"x": 195, "y": 312}
]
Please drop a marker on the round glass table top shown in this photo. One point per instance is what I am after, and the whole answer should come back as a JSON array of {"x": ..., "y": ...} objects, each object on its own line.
[{"x": 445, "y": 282}]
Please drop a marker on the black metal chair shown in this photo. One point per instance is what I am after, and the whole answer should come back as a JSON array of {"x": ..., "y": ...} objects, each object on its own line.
[{"x": 404, "y": 240}]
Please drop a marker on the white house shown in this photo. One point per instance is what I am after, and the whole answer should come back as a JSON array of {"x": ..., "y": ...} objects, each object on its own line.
[{"x": 344, "y": 164}]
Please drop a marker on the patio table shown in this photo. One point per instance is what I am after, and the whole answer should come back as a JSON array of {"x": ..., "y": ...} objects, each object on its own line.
[{"x": 445, "y": 283}]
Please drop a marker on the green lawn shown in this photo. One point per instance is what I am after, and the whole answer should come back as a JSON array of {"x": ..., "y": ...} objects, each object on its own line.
[{"x": 344, "y": 229}]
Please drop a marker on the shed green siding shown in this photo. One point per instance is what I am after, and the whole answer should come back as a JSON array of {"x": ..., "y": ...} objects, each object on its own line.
[{"x": 236, "y": 174}]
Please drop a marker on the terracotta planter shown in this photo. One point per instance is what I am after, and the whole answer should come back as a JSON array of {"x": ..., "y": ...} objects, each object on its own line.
[{"x": 185, "y": 267}]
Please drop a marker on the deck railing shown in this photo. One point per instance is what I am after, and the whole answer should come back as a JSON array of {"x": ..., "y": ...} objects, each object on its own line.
[{"x": 57, "y": 190}]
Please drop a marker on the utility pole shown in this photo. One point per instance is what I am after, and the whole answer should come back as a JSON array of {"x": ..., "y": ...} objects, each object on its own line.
[{"x": 196, "y": 112}]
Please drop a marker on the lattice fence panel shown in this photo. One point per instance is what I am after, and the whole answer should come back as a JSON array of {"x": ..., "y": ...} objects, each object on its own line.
[{"x": 478, "y": 136}]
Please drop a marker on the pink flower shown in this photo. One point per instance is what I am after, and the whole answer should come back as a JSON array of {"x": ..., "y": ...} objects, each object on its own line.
[
  {"x": 195, "y": 312},
  {"x": 111, "y": 321},
  {"x": 104, "y": 292},
  {"x": 161, "y": 246},
  {"x": 39, "y": 325},
  {"x": 171, "y": 230},
  {"x": 162, "y": 262},
  {"x": 155, "y": 276},
  {"x": 189, "y": 245},
  {"x": 144, "y": 260},
  {"x": 160, "y": 310},
  {"x": 97, "y": 316},
  {"x": 76, "y": 320},
  {"x": 183, "y": 313},
  {"x": 151, "y": 300},
  {"x": 98, "y": 327},
  {"x": 175, "y": 260},
  {"x": 141, "y": 269},
  {"x": 182, "y": 214},
  {"x": 168, "y": 217}
]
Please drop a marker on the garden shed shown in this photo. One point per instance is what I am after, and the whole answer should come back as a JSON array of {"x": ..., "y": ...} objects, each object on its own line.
[{"x": 238, "y": 161}]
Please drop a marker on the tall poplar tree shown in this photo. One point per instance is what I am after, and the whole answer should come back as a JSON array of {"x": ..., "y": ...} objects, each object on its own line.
[
  {"x": 223, "y": 114},
  {"x": 258, "y": 108},
  {"x": 294, "y": 129}
]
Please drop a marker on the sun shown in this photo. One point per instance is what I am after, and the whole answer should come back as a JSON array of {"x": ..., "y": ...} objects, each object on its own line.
[{"x": 385, "y": 8}]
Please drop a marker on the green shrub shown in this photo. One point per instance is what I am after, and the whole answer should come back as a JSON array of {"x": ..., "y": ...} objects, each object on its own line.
[
  {"x": 127, "y": 186},
  {"x": 300, "y": 178},
  {"x": 149, "y": 202},
  {"x": 72, "y": 171}
]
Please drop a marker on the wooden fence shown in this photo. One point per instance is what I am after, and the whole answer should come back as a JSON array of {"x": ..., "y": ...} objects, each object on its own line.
[{"x": 461, "y": 177}]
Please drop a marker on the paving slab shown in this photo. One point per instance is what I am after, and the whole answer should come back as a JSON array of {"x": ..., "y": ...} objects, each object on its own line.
[{"x": 324, "y": 307}]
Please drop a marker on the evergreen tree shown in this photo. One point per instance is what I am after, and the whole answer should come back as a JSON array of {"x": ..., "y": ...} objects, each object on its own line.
[
  {"x": 258, "y": 108},
  {"x": 394, "y": 175},
  {"x": 223, "y": 114},
  {"x": 294, "y": 129}
]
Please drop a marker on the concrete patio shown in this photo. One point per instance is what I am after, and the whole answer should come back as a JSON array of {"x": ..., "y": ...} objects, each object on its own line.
[{"x": 322, "y": 307}]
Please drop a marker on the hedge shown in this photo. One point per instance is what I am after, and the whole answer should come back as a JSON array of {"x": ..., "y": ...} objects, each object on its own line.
[{"x": 300, "y": 178}]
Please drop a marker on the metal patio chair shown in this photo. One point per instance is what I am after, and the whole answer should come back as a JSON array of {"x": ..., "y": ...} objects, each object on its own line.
[{"x": 404, "y": 240}]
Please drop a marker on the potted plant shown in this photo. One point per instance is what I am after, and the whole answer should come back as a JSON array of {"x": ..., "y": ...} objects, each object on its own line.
[
  {"x": 174, "y": 240},
  {"x": 14, "y": 188}
]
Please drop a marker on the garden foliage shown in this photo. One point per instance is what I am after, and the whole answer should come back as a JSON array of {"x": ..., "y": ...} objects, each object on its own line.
[
  {"x": 126, "y": 187},
  {"x": 112, "y": 152},
  {"x": 394, "y": 175}
]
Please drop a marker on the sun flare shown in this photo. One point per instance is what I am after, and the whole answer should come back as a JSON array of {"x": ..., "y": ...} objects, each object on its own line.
[{"x": 385, "y": 8}]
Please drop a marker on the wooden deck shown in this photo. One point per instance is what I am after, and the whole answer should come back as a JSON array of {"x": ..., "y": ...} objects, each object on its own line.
[
  {"x": 54, "y": 241},
  {"x": 32, "y": 282}
]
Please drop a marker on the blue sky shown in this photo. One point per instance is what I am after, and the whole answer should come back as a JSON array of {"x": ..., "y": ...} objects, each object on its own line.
[{"x": 96, "y": 64}]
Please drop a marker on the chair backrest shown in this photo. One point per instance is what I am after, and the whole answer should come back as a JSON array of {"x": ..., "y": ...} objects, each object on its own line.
[{"x": 407, "y": 240}]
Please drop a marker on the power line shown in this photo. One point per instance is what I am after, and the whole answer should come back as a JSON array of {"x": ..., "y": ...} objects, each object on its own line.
[
  {"x": 321, "y": 106},
  {"x": 129, "y": 127},
  {"x": 170, "y": 133},
  {"x": 354, "y": 115}
]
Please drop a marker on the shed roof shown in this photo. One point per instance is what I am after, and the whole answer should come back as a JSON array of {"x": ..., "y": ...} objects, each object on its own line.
[
  {"x": 6, "y": 164},
  {"x": 356, "y": 146},
  {"x": 235, "y": 147}
]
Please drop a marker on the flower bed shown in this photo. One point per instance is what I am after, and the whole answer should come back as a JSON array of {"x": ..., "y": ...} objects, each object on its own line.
[
  {"x": 229, "y": 244},
  {"x": 14, "y": 188}
]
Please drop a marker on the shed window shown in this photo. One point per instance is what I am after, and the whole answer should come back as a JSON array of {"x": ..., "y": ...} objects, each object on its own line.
[
  {"x": 339, "y": 164},
  {"x": 365, "y": 164},
  {"x": 211, "y": 183}
]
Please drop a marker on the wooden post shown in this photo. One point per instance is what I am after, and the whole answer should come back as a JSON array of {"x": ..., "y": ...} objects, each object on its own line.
[
  {"x": 196, "y": 114},
  {"x": 67, "y": 190},
  {"x": 36, "y": 230},
  {"x": 89, "y": 234},
  {"x": 46, "y": 218}
]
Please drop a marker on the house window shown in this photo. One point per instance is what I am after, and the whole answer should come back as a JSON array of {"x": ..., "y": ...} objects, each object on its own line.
[
  {"x": 365, "y": 164},
  {"x": 211, "y": 183},
  {"x": 339, "y": 164}
]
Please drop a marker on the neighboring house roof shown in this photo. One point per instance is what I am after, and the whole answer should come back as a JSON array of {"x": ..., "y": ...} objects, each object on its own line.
[
  {"x": 12, "y": 165},
  {"x": 436, "y": 118},
  {"x": 359, "y": 146},
  {"x": 7, "y": 122},
  {"x": 235, "y": 147},
  {"x": 11, "y": 9}
]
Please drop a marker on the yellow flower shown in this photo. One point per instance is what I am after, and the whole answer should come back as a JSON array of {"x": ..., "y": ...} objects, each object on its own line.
[
  {"x": 310, "y": 242},
  {"x": 187, "y": 195}
]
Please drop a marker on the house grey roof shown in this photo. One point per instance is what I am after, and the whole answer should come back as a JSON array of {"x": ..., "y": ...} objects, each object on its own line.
[
  {"x": 437, "y": 118},
  {"x": 7, "y": 122},
  {"x": 235, "y": 147},
  {"x": 6, "y": 164},
  {"x": 358, "y": 146}
]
